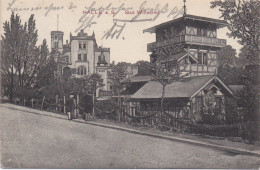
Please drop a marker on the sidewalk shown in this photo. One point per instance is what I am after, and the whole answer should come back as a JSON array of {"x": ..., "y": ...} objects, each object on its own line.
[{"x": 199, "y": 140}]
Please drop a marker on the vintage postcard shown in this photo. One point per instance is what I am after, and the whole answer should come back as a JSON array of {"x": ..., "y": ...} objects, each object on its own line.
[{"x": 130, "y": 84}]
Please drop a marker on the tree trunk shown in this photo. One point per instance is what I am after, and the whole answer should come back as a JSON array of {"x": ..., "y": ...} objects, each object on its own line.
[
  {"x": 42, "y": 102},
  {"x": 119, "y": 108},
  {"x": 64, "y": 102},
  {"x": 57, "y": 102},
  {"x": 77, "y": 106},
  {"x": 93, "y": 103},
  {"x": 162, "y": 104}
]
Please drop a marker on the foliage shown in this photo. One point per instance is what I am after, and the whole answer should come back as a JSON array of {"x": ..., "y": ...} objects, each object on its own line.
[
  {"x": 248, "y": 99},
  {"x": 210, "y": 119},
  {"x": 229, "y": 70},
  {"x": 94, "y": 82},
  {"x": 143, "y": 68},
  {"x": 217, "y": 130},
  {"x": 231, "y": 110},
  {"x": 107, "y": 109},
  {"x": 116, "y": 75},
  {"x": 243, "y": 18},
  {"x": 123, "y": 65},
  {"x": 227, "y": 56},
  {"x": 165, "y": 70},
  {"x": 22, "y": 59}
]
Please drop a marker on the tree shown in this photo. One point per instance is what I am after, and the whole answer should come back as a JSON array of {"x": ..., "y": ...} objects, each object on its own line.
[
  {"x": 143, "y": 68},
  {"x": 115, "y": 76},
  {"x": 229, "y": 69},
  {"x": 123, "y": 64},
  {"x": 94, "y": 82},
  {"x": 243, "y": 18},
  {"x": 22, "y": 59},
  {"x": 11, "y": 42},
  {"x": 166, "y": 70}
]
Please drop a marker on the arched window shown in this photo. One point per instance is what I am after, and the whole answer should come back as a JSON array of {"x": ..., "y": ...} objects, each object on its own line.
[
  {"x": 66, "y": 72},
  {"x": 82, "y": 70}
]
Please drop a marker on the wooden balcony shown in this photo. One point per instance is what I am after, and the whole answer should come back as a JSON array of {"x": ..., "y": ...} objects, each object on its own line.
[{"x": 188, "y": 39}]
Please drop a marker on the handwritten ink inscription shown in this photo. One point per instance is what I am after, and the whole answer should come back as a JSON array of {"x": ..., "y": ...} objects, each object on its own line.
[
  {"x": 16, "y": 6},
  {"x": 121, "y": 14},
  {"x": 140, "y": 15}
]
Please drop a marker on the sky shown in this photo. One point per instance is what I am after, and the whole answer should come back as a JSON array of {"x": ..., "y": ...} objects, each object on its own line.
[{"x": 130, "y": 43}]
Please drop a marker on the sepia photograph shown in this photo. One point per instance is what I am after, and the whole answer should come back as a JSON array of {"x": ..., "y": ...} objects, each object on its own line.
[{"x": 130, "y": 84}]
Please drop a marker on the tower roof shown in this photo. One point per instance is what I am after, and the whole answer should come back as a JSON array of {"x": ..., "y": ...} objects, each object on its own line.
[
  {"x": 57, "y": 32},
  {"x": 219, "y": 23}
]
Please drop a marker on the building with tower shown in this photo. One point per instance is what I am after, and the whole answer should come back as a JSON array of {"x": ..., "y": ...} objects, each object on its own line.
[
  {"x": 81, "y": 56},
  {"x": 201, "y": 92}
]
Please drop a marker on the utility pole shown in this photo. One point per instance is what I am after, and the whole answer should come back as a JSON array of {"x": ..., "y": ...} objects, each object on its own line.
[{"x": 57, "y": 22}]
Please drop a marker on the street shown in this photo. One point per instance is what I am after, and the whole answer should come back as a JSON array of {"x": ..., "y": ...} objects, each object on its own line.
[{"x": 36, "y": 141}]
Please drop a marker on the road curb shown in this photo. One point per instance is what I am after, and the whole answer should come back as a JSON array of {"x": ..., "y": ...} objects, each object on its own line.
[
  {"x": 188, "y": 141},
  {"x": 171, "y": 138}
]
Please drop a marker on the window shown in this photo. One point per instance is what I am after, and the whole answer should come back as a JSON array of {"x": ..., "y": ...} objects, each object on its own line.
[
  {"x": 84, "y": 45},
  {"x": 85, "y": 57},
  {"x": 80, "y": 46},
  {"x": 56, "y": 37},
  {"x": 55, "y": 45},
  {"x": 199, "y": 104},
  {"x": 81, "y": 70},
  {"x": 67, "y": 59},
  {"x": 200, "y": 57},
  {"x": 202, "y": 32},
  {"x": 79, "y": 57},
  {"x": 218, "y": 104},
  {"x": 203, "y": 58}
]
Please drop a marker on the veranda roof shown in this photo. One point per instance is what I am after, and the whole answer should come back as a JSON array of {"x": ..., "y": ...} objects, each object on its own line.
[
  {"x": 220, "y": 23},
  {"x": 182, "y": 89}
]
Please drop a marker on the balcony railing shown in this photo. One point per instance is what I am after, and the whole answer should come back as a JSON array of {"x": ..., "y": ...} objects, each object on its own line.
[{"x": 188, "y": 39}]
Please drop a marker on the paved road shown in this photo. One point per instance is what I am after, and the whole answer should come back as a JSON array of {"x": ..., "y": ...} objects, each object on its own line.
[{"x": 36, "y": 141}]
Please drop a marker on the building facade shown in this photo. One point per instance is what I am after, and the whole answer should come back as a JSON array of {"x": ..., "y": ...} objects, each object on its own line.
[
  {"x": 192, "y": 42},
  {"x": 81, "y": 56}
]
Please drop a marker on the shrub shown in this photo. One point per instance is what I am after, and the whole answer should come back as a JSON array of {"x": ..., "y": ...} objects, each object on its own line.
[
  {"x": 217, "y": 130},
  {"x": 107, "y": 110}
]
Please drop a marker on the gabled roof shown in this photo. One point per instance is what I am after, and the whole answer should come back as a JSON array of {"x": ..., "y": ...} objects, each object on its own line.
[
  {"x": 220, "y": 23},
  {"x": 182, "y": 55},
  {"x": 183, "y": 89}
]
